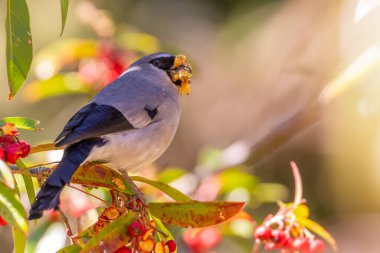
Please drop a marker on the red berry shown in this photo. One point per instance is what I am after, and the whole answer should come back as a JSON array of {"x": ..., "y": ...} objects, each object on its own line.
[
  {"x": 135, "y": 229},
  {"x": 2, "y": 153},
  {"x": 13, "y": 152},
  {"x": 202, "y": 240},
  {"x": 209, "y": 238},
  {"x": 52, "y": 215},
  {"x": 6, "y": 139},
  {"x": 171, "y": 245},
  {"x": 263, "y": 233},
  {"x": 25, "y": 149},
  {"x": 3, "y": 222},
  {"x": 301, "y": 243},
  {"x": 317, "y": 246},
  {"x": 288, "y": 242},
  {"x": 123, "y": 249},
  {"x": 278, "y": 236},
  {"x": 192, "y": 239}
]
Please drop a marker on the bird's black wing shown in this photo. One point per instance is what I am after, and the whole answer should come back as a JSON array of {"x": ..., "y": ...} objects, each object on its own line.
[{"x": 91, "y": 121}]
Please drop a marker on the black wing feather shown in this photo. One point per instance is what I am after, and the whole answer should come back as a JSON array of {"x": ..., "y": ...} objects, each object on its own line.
[
  {"x": 75, "y": 120},
  {"x": 91, "y": 121}
]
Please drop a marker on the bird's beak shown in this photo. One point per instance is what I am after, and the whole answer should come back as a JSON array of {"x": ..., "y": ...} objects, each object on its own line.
[{"x": 180, "y": 73}]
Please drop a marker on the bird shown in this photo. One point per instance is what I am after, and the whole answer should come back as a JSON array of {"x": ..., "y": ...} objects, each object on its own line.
[{"x": 126, "y": 125}]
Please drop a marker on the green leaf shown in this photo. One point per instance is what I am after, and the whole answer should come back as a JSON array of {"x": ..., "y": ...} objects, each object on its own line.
[
  {"x": 22, "y": 123},
  {"x": 70, "y": 249},
  {"x": 195, "y": 214},
  {"x": 64, "y": 8},
  {"x": 139, "y": 42},
  {"x": 210, "y": 158},
  {"x": 28, "y": 182},
  {"x": 236, "y": 178},
  {"x": 6, "y": 175},
  {"x": 11, "y": 209},
  {"x": 63, "y": 53},
  {"x": 111, "y": 237},
  {"x": 171, "y": 174},
  {"x": 318, "y": 229},
  {"x": 162, "y": 227},
  {"x": 167, "y": 189},
  {"x": 19, "y": 241},
  {"x": 270, "y": 192},
  {"x": 58, "y": 85},
  {"x": 19, "y": 44},
  {"x": 99, "y": 175},
  {"x": 43, "y": 148}
]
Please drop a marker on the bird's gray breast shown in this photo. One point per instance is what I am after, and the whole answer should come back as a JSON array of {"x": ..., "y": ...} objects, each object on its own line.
[
  {"x": 139, "y": 147},
  {"x": 134, "y": 149}
]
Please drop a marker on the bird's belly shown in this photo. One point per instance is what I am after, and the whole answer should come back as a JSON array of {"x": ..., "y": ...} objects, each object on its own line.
[{"x": 133, "y": 149}]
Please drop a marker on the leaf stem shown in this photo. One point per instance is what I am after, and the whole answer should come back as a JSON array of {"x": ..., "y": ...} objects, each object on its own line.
[{"x": 297, "y": 184}]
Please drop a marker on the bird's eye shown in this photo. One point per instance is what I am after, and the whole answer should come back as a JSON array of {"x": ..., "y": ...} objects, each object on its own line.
[{"x": 164, "y": 63}]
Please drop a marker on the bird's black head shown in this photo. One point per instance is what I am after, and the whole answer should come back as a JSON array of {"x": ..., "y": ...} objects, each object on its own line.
[
  {"x": 163, "y": 61},
  {"x": 177, "y": 68}
]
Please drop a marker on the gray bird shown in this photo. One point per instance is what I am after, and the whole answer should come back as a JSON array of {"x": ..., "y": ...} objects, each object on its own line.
[{"x": 127, "y": 125}]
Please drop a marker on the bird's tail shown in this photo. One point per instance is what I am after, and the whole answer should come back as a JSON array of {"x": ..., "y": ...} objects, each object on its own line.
[{"x": 48, "y": 197}]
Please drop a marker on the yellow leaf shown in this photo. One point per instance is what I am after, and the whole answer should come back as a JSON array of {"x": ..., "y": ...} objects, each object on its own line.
[
  {"x": 302, "y": 211},
  {"x": 319, "y": 230}
]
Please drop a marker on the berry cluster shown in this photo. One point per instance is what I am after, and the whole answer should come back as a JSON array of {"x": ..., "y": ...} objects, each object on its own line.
[
  {"x": 144, "y": 239},
  {"x": 280, "y": 239},
  {"x": 283, "y": 232},
  {"x": 11, "y": 148},
  {"x": 106, "y": 66}
]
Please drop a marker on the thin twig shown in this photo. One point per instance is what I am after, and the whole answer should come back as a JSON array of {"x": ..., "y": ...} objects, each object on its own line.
[
  {"x": 113, "y": 197},
  {"x": 105, "y": 202},
  {"x": 39, "y": 165},
  {"x": 33, "y": 167},
  {"x": 69, "y": 232},
  {"x": 24, "y": 173},
  {"x": 255, "y": 248},
  {"x": 158, "y": 230}
]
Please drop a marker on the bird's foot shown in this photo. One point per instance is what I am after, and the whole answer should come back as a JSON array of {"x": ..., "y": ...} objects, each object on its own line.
[{"x": 140, "y": 197}]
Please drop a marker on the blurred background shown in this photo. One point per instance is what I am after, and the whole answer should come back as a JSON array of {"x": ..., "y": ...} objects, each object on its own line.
[{"x": 274, "y": 81}]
